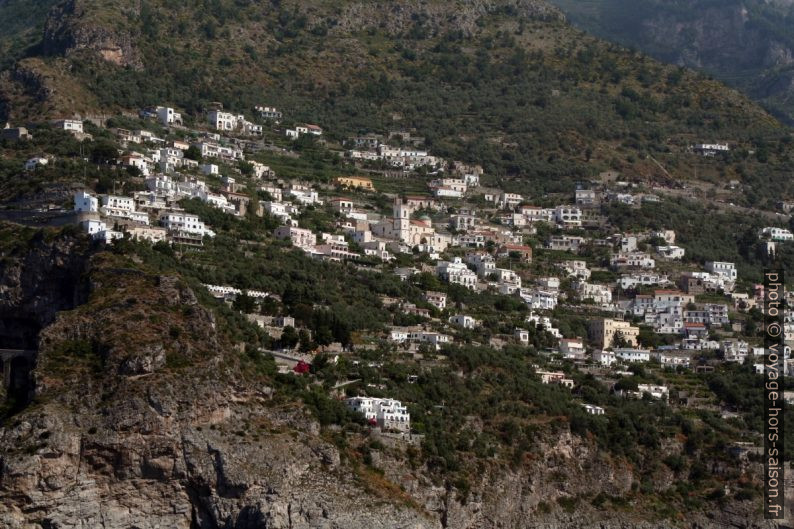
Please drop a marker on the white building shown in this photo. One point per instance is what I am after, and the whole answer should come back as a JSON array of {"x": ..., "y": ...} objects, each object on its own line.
[
  {"x": 568, "y": 216},
  {"x": 389, "y": 414},
  {"x": 168, "y": 116},
  {"x": 269, "y": 112},
  {"x": 671, "y": 252},
  {"x": 118, "y": 202},
  {"x": 632, "y": 260},
  {"x": 710, "y": 149},
  {"x": 456, "y": 272},
  {"x": 605, "y": 358},
  {"x": 539, "y": 299},
  {"x": 632, "y": 355},
  {"x": 220, "y": 120},
  {"x": 599, "y": 294},
  {"x": 657, "y": 392},
  {"x": 70, "y": 125},
  {"x": 593, "y": 410},
  {"x": 85, "y": 202},
  {"x": 209, "y": 169},
  {"x": 467, "y": 322},
  {"x": 510, "y": 200},
  {"x": 641, "y": 279},
  {"x": 178, "y": 221},
  {"x": 576, "y": 269},
  {"x": 722, "y": 269},
  {"x": 543, "y": 323},
  {"x": 300, "y": 237},
  {"x": 777, "y": 234},
  {"x": 735, "y": 350}
]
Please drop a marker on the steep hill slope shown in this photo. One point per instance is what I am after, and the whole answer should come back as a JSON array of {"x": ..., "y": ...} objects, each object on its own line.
[
  {"x": 507, "y": 84},
  {"x": 747, "y": 44}
]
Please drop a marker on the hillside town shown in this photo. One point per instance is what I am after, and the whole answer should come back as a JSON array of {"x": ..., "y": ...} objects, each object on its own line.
[{"x": 644, "y": 303}]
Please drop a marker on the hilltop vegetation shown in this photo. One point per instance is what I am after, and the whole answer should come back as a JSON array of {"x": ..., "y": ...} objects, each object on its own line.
[{"x": 511, "y": 86}]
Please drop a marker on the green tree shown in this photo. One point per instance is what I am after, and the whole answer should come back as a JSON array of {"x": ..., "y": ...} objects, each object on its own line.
[
  {"x": 289, "y": 337},
  {"x": 244, "y": 303},
  {"x": 305, "y": 340},
  {"x": 193, "y": 153}
]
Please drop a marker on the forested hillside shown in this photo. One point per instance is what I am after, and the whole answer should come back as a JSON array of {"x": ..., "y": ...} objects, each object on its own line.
[
  {"x": 747, "y": 44},
  {"x": 511, "y": 86}
]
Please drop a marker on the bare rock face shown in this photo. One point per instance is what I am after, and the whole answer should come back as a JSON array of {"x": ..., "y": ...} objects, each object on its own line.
[
  {"x": 38, "y": 284},
  {"x": 117, "y": 439},
  {"x": 66, "y": 32},
  {"x": 163, "y": 462}
]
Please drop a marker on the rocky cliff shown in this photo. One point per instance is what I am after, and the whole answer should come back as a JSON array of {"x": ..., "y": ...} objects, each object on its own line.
[
  {"x": 142, "y": 417},
  {"x": 68, "y": 30}
]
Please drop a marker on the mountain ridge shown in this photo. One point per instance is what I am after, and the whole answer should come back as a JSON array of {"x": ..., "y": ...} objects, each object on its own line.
[{"x": 747, "y": 44}]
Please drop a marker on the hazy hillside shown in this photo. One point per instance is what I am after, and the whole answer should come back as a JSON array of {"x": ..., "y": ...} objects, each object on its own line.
[{"x": 748, "y": 44}]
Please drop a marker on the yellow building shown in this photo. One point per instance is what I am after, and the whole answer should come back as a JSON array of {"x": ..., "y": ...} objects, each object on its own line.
[
  {"x": 603, "y": 332},
  {"x": 355, "y": 181}
]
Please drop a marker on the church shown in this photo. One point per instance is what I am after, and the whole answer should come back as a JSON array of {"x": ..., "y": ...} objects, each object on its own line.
[{"x": 413, "y": 232}]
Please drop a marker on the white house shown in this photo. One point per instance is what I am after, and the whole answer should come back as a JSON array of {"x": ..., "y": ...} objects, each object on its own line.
[
  {"x": 671, "y": 251},
  {"x": 300, "y": 237},
  {"x": 467, "y": 322},
  {"x": 605, "y": 358},
  {"x": 710, "y": 149},
  {"x": 268, "y": 112},
  {"x": 456, "y": 272},
  {"x": 539, "y": 299},
  {"x": 777, "y": 234},
  {"x": 555, "y": 377},
  {"x": 599, "y": 294},
  {"x": 389, "y": 414},
  {"x": 85, "y": 202},
  {"x": 168, "y": 116},
  {"x": 568, "y": 216},
  {"x": 510, "y": 200},
  {"x": 92, "y": 227},
  {"x": 178, "y": 221},
  {"x": 657, "y": 392},
  {"x": 633, "y": 355},
  {"x": 118, "y": 202},
  {"x": 70, "y": 125},
  {"x": 632, "y": 260},
  {"x": 593, "y": 410},
  {"x": 722, "y": 269},
  {"x": 544, "y": 323},
  {"x": 575, "y": 268},
  {"x": 220, "y": 120}
]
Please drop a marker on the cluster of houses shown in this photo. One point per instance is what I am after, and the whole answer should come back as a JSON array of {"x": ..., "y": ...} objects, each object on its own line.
[
  {"x": 468, "y": 235},
  {"x": 109, "y": 217}
]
